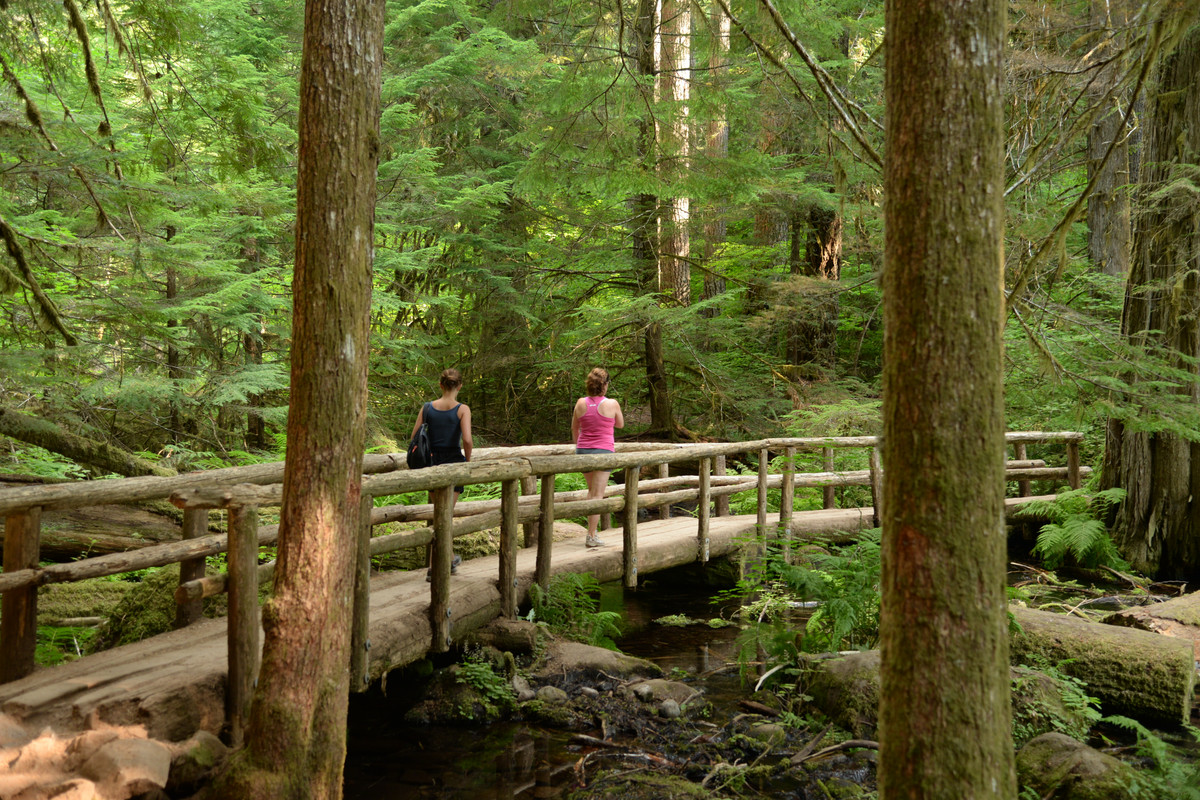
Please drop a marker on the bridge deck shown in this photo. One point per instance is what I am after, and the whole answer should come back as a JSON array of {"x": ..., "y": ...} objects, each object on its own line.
[{"x": 174, "y": 683}]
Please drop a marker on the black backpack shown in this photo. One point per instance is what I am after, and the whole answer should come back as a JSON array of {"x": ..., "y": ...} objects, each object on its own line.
[{"x": 420, "y": 454}]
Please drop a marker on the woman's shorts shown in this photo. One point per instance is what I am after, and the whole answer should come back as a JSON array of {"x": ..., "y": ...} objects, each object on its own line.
[
  {"x": 448, "y": 457},
  {"x": 590, "y": 451}
]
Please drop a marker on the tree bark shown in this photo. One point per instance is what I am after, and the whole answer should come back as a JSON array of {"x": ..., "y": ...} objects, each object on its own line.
[
  {"x": 296, "y": 738},
  {"x": 1158, "y": 524},
  {"x": 945, "y": 714},
  {"x": 716, "y": 149}
]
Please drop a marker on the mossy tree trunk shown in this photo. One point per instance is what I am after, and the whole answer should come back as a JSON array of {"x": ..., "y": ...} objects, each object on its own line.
[
  {"x": 1158, "y": 524},
  {"x": 945, "y": 713},
  {"x": 296, "y": 739}
]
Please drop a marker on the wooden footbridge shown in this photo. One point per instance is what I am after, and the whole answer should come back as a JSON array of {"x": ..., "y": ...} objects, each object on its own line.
[{"x": 200, "y": 676}]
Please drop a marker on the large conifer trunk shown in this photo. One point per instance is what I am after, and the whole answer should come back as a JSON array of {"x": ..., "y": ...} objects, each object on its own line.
[
  {"x": 296, "y": 739},
  {"x": 1158, "y": 524},
  {"x": 944, "y": 713}
]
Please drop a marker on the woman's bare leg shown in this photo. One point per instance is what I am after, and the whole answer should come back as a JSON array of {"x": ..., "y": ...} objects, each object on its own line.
[{"x": 596, "y": 483}]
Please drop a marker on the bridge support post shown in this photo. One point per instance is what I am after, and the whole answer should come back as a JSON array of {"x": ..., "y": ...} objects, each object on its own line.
[
  {"x": 664, "y": 511},
  {"x": 439, "y": 569},
  {"x": 1073, "y": 476},
  {"x": 195, "y": 525},
  {"x": 876, "y": 487},
  {"x": 509, "y": 492},
  {"x": 702, "y": 505},
  {"x": 830, "y": 493},
  {"x": 541, "y": 570},
  {"x": 764, "y": 461},
  {"x": 243, "y": 625},
  {"x": 18, "y": 609},
  {"x": 723, "y": 500},
  {"x": 630, "y": 513},
  {"x": 1019, "y": 453},
  {"x": 787, "y": 500},
  {"x": 530, "y": 529},
  {"x": 360, "y": 629}
]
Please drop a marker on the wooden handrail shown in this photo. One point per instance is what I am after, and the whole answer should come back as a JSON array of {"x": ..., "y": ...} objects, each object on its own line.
[{"x": 242, "y": 490}]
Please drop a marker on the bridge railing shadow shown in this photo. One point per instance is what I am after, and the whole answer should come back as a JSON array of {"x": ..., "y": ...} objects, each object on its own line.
[{"x": 525, "y": 514}]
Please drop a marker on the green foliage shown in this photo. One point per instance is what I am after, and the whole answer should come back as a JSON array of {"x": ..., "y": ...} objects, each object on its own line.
[
  {"x": 1077, "y": 531},
  {"x": 568, "y": 606},
  {"x": 1173, "y": 774},
  {"x": 1072, "y": 711},
  {"x": 56, "y": 645},
  {"x": 842, "y": 584},
  {"x": 495, "y": 690}
]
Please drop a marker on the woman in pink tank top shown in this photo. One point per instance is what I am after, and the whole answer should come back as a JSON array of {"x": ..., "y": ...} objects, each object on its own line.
[{"x": 592, "y": 429}]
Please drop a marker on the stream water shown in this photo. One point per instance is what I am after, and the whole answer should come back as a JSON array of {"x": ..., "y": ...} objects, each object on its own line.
[{"x": 388, "y": 759}]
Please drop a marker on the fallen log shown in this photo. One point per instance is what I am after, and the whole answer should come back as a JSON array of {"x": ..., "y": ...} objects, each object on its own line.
[
  {"x": 1131, "y": 672},
  {"x": 1178, "y": 617}
]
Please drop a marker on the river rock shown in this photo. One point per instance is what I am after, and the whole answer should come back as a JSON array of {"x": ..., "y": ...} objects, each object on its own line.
[
  {"x": 657, "y": 690},
  {"x": 192, "y": 760},
  {"x": 669, "y": 709},
  {"x": 127, "y": 767},
  {"x": 846, "y": 688},
  {"x": 572, "y": 662},
  {"x": 767, "y": 732},
  {"x": 1055, "y": 764},
  {"x": 552, "y": 694}
]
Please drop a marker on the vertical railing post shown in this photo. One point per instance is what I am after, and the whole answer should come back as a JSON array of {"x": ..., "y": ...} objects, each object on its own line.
[
  {"x": 541, "y": 570},
  {"x": 829, "y": 493},
  {"x": 243, "y": 622},
  {"x": 439, "y": 569},
  {"x": 702, "y": 504},
  {"x": 195, "y": 525},
  {"x": 876, "y": 487},
  {"x": 360, "y": 629},
  {"x": 18, "y": 609},
  {"x": 630, "y": 514},
  {"x": 530, "y": 529},
  {"x": 509, "y": 492},
  {"x": 664, "y": 511},
  {"x": 723, "y": 500},
  {"x": 1073, "y": 476},
  {"x": 1019, "y": 453},
  {"x": 787, "y": 500},
  {"x": 764, "y": 461}
]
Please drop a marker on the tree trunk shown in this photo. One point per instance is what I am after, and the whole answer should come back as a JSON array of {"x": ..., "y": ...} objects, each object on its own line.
[
  {"x": 1109, "y": 231},
  {"x": 716, "y": 150},
  {"x": 945, "y": 714},
  {"x": 40, "y": 432},
  {"x": 1158, "y": 524},
  {"x": 296, "y": 738},
  {"x": 674, "y": 76}
]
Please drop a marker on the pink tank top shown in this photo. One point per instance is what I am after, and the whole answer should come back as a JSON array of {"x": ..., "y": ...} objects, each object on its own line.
[{"x": 595, "y": 429}]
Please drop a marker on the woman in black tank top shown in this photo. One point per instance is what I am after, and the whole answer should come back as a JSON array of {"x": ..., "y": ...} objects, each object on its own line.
[{"x": 449, "y": 423}]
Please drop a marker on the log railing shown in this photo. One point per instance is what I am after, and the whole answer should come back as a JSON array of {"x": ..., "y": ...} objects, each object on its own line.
[{"x": 524, "y": 518}]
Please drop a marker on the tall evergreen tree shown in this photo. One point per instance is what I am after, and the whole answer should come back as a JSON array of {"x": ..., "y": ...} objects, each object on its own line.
[{"x": 944, "y": 707}]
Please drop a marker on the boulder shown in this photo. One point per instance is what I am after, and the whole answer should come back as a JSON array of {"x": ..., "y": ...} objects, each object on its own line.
[
  {"x": 1054, "y": 764},
  {"x": 574, "y": 662},
  {"x": 846, "y": 689},
  {"x": 194, "y": 759},
  {"x": 124, "y": 768}
]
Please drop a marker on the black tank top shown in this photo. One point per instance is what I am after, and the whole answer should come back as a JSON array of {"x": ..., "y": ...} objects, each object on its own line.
[{"x": 445, "y": 430}]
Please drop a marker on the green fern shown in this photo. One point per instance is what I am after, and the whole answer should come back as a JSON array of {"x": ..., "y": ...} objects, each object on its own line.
[
  {"x": 568, "y": 607},
  {"x": 1172, "y": 775},
  {"x": 1076, "y": 531}
]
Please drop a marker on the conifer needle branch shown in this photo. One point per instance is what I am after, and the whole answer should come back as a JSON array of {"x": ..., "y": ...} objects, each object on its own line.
[
  {"x": 49, "y": 310},
  {"x": 93, "y": 76},
  {"x": 824, "y": 79},
  {"x": 1060, "y": 229}
]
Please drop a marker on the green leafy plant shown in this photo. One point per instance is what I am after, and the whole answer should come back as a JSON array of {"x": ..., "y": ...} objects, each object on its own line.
[
  {"x": 568, "y": 606},
  {"x": 1171, "y": 774},
  {"x": 480, "y": 676},
  {"x": 1076, "y": 530}
]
